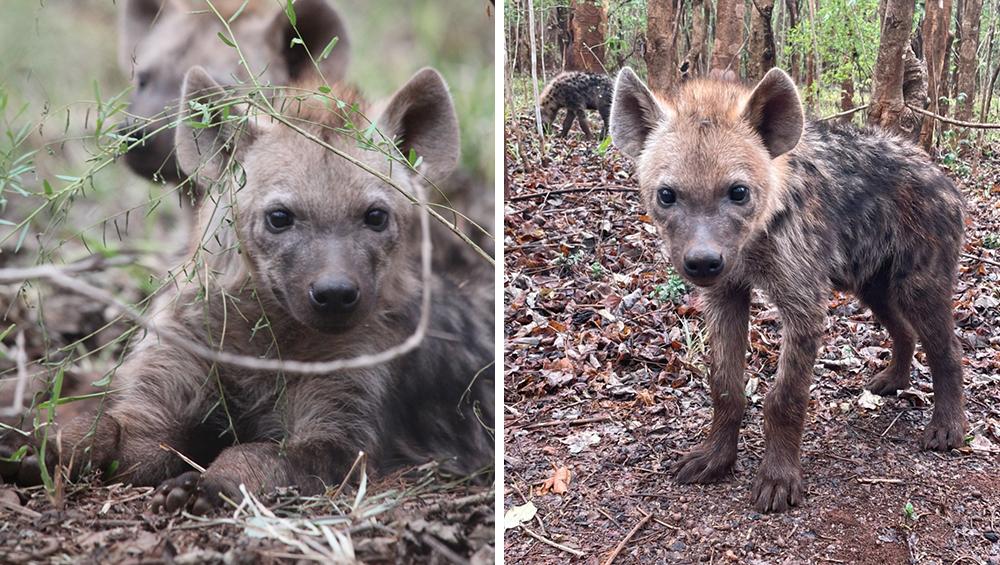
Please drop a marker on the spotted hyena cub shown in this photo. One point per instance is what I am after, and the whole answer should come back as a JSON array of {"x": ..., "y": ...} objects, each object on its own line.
[
  {"x": 305, "y": 256},
  {"x": 577, "y": 92},
  {"x": 747, "y": 194}
]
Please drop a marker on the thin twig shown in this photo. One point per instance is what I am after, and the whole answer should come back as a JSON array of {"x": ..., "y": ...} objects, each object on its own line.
[
  {"x": 579, "y": 422},
  {"x": 621, "y": 545},
  {"x": 880, "y": 480},
  {"x": 959, "y": 123},
  {"x": 547, "y": 193},
  {"x": 551, "y": 543},
  {"x": 21, "y": 361},
  {"x": 183, "y": 457},
  {"x": 842, "y": 114},
  {"x": 980, "y": 259}
]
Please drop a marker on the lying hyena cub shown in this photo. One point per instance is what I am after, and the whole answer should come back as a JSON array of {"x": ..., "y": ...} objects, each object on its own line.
[
  {"x": 745, "y": 194},
  {"x": 159, "y": 40},
  {"x": 306, "y": 257},
  {"x": 577, "y": 92}
]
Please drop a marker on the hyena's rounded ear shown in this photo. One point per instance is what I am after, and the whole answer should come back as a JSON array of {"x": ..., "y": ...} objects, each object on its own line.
[
  {"x": 318, "y": 23},
  {"x": 635, "y": 113},
  {"x": 212, "y": 129},
  {"x": 135, "y": 18},
  {"x": 775, "y": 112},
  {"x": 420, "y": 117}
]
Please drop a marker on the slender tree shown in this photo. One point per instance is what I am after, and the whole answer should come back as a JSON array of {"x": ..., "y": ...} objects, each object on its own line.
[
  {"x": 588, "y": 24},
  {"x": 728, "y": 36},
  {"x": 762, "y": 51},
  {"x": 968, "y": 64},
  {"x": 887, "y": 108},
  {"x": 662, "y": 24},
  {"x": 935, "y": 41}
]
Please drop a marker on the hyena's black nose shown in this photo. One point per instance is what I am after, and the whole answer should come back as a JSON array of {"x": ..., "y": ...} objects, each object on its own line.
[
  {"x": 334, "y": 296},
  {"x": 703, "y": 263}
]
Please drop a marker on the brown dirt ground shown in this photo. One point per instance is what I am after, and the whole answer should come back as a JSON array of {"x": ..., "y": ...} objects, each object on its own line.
[{"x": 591, "y": 355}]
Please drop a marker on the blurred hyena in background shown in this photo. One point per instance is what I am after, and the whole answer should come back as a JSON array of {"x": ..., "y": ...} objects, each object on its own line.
[
  {"x": 747, "y": 194},
  {"x": 159, "y": 40},
  {"x": 577, "y": 92}
]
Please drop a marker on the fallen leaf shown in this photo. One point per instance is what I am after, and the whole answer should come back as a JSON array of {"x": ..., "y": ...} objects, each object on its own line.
[
  {"x": 558, "y": 483},
  {"x": 870, "y": 401},
  {"x": 582, "y": 440},
  {"x": 517, "y": 515}
]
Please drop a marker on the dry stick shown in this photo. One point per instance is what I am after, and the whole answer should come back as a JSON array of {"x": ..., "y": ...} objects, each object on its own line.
[
  {"x": 21, "y": 361},
  {"x": 874, "y": 480},
  {"x": 547, "y": 193},
  {"x": 959, "y": 123},
  {"x": 551, "y": 543},
  {"x": 980, "y": 259},
  {"x": 58, "y": 277},
  {"x": 844, "y": 113},
  {"x": 621, "y": 545},
  {"x": 579, "y": 422}
]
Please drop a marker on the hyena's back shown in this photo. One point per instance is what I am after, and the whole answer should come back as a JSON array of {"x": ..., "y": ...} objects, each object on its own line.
[
  {"x": 884, "y": 213},
  {"x": 578, "y": 90}
]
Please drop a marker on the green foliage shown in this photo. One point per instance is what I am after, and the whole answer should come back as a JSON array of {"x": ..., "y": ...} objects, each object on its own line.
[
  {"x": 844, "y": 36},
  {"x": 671, "y": 291}
]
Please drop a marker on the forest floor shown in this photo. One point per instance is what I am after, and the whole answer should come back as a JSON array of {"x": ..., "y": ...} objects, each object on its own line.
[{"x": 605, "y": 387}]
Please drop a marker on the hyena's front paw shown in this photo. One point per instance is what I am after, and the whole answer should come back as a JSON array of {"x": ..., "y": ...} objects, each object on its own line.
[
  {"x": 944, "y": 434},
  {"x": 888, "y": 381},
  {"x": 777, "y": 488},
  {"x": 705, "y": 464},
  {"x": 189, "y": 491},
  {"x": 27, "y": 472}
]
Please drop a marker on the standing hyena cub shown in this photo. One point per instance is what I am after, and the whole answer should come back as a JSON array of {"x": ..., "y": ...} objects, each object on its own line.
[
  {"x": 577, "y": 92},
  {"x": 305, "y": 257},
  {"x": 745, "y": 194}
]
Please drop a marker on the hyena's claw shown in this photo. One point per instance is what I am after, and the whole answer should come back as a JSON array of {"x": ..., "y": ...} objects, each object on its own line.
[
  {"x": 887, "y": 382},
  {"x": 185, "y": 491},
  {"x": 944, "y": 435},
  {"x": 704, "y": 464},
  {"x": 777, "y": 491}
]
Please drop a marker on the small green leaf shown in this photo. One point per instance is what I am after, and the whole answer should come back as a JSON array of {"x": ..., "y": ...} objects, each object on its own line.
[
  {"x": 47, "y": 187},
  {"x": 290, "y": 12},
  {"x": 226, "y": 40},
  {"x": 17, "y": 455},
  {"x": 324, "y": 89},
  {"x": 329, "y": 47},
  {"x": 295, "y": 41}
]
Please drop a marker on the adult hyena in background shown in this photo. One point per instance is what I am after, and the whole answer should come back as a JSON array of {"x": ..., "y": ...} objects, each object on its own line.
[
  {"x": 577, "y": 92},
  {"x": 747, "y": 194},
  {"x": 307, "y": 257},
  {"x": 159, "y": 40}
]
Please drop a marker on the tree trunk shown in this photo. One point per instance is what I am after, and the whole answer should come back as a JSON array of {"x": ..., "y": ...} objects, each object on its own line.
[
  {"x": 588, "y": 25},
  {"x": 794, "y": 66},
  {"x": 887, "y": 109},
  {"x": 968, "y": 65},
  {"x": 847, "y": 99},
  {"x": 935, "y": 43},
  {"x": 565, "y": 36},
  {"x": 728, "y": 36},
  {"x": 762, "y": 51},
  {"x": 694, "y": 61},
  {"x": 534, "y": 72},
  {"x": 661, "y": 44}
]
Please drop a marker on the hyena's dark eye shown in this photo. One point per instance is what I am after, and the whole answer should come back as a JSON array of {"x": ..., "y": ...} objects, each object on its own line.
[
  {"x": 739, "y": 194},
  {"x": 377, "y": 219},
  {"x": 278, "y": 220},
  {"x": 666, "y": 196}
]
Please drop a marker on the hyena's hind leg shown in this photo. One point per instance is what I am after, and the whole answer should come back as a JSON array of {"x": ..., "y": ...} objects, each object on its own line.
[
  {"x": 605, "y": 116},
  {"x": 888, "y": 313},
  {"x": 928, "y": 308},
  {"x": 581, "y": 116}
]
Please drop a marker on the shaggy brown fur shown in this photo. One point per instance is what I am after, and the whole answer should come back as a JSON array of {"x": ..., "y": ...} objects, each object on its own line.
[
  {"x": 260, "y": 289},
  {"x": 746, "y": 194}
]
